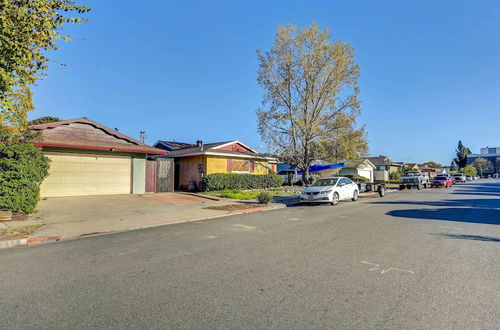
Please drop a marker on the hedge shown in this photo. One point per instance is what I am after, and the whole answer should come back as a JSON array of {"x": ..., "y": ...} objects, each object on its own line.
[{"x": 221, "y": 181}]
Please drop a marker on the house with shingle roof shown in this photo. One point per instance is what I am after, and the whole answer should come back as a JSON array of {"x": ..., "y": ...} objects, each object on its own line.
[
  {"x": 88, "y": 158},
  {"x": 195, "y": 160},
  {"x": 384, "y": 166}
]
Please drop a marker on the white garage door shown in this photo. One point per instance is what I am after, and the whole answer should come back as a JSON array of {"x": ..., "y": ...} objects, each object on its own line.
[
  {"x": 82, "y": 175},
  {"x": 366, "y": 174}
]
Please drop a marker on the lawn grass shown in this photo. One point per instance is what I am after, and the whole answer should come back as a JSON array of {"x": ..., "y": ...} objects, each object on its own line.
[
  {"x": 18, "y": 232},
  {"x": 248, "y": 194},
  {"x": 234, "y": 194}
]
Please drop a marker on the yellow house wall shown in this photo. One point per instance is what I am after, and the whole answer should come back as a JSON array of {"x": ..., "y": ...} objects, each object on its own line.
[{"x": 216, "y": 164}]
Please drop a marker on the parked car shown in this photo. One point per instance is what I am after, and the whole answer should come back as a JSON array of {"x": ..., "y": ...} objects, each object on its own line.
[
  {"x": 290, "y": 176},
  {"x": 468, "y": 177},
  {"x": 441, "y": 181},
  {"x": 414, "y": 179},
  {"x": 452, "y": 178},
  {"x": 459, "y": 177},
  {"x": 330, "y": 190}
]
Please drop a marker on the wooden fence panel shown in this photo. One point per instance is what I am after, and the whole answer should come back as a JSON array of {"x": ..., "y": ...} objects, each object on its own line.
[
  {"x": 151, "y": 175},
  {"x": 165, "y": 175}
]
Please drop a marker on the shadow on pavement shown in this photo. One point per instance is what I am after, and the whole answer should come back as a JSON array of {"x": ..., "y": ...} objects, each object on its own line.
[
  {"x": 472, "y": 237},
  {"x": 473, "y": 210},
  {"x": 475, "y": 215}
]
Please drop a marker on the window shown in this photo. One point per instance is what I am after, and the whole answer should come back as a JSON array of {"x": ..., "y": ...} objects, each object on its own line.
[
  {"x": 348, "y": 181},
  {"x": 239, "y": 166}
]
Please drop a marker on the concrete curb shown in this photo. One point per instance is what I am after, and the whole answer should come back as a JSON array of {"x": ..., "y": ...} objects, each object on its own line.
[{"x": 27, "y": 241}]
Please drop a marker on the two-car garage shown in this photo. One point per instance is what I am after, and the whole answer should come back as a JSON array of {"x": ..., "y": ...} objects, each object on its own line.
[
  {"x": 87, "y": 174},
  {"x": 90, "y": 159}
]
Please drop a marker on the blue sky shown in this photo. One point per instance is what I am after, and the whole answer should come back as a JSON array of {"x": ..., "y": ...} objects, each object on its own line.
[{"x": 186, "y": 70}]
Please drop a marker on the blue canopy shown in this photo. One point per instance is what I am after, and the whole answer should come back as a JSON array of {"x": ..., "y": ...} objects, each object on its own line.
[{"x": 319, "y": 167}]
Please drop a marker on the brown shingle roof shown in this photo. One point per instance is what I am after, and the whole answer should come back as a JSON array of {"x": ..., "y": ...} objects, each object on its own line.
[
  {"x": 74, "y": 133},
  {"x": 211, "y": 148}
]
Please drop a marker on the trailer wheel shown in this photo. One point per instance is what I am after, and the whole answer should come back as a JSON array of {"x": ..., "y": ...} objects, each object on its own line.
[{"x": 381, "y": 191}]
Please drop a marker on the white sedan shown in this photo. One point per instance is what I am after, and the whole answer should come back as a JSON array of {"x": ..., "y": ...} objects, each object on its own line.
[{"x": 330, "y": 190}]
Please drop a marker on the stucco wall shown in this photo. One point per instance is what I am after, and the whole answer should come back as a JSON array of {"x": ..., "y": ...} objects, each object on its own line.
[
  {"x": 216, "y": 164},
  {"x": 262, "y": 167},
  {"x": 139, "y": 174}
]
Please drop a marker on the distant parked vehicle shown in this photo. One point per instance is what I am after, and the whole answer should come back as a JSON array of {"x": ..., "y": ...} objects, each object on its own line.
[
  {"x": 459, "y": 177},
  {"x": 414, "y": 179},
  {"x": 330, "y": 190},
  {"x": 452, "y": 178},
  {"x": 290, "y": 176},
  {"x": 441, "y": 181},
  {"x": 468, "y": 177}
]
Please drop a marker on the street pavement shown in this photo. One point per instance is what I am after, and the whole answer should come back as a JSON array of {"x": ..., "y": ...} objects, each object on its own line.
[{"x": 425, "y": 259}]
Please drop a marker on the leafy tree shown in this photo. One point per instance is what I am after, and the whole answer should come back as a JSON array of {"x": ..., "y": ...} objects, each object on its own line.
[
  {"x": 432, "y": 164},
  {"x": 481, "y": 164},
  {"x": 462, "y": 152},
  {"x": 44, "y": 120},
  {"x": 28, "y": 29},
  {"x": 310, "y": 103},
  {"x": 468, "y": 170},
  {"x": 22, "y": 169}
]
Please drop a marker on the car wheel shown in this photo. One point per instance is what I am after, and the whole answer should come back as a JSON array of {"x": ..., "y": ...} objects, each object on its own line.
[
  {"x": 335, "y": 199},
  {"x": 355, "y": 196},
  {"x": 408, "y": 187},
  {"x": 381, "y": 191},
  {"x": 426, "y": 185},
  {"x": 419, "y": 186},
  {"x": 401, "y": 187}
]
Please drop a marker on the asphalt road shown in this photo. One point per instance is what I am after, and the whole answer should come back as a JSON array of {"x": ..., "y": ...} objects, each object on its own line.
[{"x": 425, "y": 259}]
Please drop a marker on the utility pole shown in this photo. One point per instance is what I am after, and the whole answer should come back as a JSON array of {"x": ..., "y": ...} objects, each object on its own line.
[{"x": 143, "y": 136}]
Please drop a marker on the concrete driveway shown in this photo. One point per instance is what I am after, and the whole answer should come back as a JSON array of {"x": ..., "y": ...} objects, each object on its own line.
[{"x": 75, "y": 216}]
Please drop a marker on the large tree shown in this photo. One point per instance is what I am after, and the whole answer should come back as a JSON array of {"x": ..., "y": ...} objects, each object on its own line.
[
  {"x": 310, "y": 103},
  {"x": 481, "y": 164},
  {"x": 28, "y": 29},
  {"x": 462, "y": 153}
]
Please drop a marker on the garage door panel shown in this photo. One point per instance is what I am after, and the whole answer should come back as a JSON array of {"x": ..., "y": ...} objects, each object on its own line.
[{"x": 79, "y": 175}]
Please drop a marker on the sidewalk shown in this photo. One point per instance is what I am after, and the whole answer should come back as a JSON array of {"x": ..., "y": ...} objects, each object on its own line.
[{"x": 68, "y": 217}]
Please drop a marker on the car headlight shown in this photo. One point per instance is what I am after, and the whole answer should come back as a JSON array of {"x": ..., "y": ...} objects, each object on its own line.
[{"x": 326, "y": 192}]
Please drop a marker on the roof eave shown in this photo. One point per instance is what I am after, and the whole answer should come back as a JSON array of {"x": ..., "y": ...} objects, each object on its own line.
[{"x": 83, "y": 147}]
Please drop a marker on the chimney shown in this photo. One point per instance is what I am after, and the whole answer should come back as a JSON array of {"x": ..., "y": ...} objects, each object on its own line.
[{"x": 199, "y": 143}]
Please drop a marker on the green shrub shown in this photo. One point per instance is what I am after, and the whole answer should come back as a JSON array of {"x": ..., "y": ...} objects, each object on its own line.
[
  {"x": 22, "y": 169},
  {"x": 264, "y": 198},
  {"x": 221, "y": 181}
]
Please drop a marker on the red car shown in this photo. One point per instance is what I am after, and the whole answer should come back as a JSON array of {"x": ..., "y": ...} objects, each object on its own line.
[{"x": 441, "y": 181}]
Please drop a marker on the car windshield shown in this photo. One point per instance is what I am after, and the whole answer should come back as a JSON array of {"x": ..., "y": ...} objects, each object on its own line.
[
  {"x": 441, "y": 178},
  {"x": 325, "y": 182}
]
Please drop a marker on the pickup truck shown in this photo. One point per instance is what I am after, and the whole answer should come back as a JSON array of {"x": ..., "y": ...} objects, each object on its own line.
[{"x": 414, "y": 179}]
